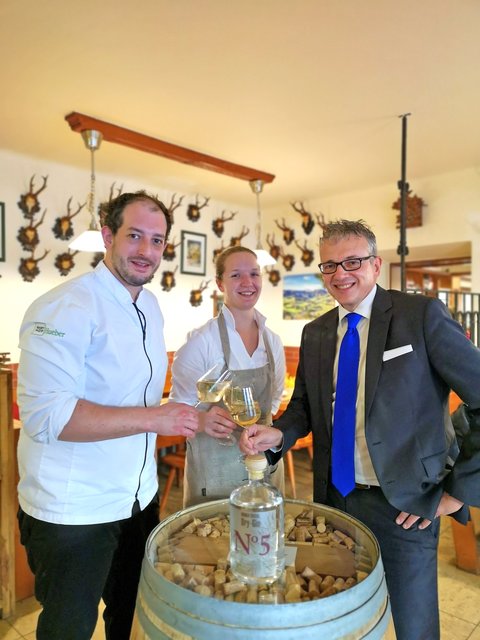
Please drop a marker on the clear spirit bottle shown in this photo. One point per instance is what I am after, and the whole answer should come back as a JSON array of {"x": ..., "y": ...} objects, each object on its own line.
[{"x": 257, "y": 553}]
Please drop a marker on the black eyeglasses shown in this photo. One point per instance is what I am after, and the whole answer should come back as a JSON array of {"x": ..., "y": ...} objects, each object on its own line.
[{"x": 351, "y": 264}]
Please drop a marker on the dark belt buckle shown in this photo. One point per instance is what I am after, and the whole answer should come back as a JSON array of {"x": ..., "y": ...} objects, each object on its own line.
[{"x": 362, "y": 487}]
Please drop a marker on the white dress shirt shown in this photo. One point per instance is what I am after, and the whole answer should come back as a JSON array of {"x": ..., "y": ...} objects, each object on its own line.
[
  {"x": 364, "y": 471},
  {"x": 203, "y": 349}
]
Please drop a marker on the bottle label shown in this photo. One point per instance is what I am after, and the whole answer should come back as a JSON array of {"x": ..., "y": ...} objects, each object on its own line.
[{"x": 254, "y": 538}]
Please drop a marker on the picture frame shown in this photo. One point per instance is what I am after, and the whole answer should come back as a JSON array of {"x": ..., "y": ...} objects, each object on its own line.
[
  {"x": 2, "y": 232},
  {"x": 193, "y": 253}
]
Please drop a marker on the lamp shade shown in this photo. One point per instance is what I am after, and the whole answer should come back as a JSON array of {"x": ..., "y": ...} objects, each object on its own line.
[
  {"x": 89, "y": 240},
  {"x": 264, "y": 259}
]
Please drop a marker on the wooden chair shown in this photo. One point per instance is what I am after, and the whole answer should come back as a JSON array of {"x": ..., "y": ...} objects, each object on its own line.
[
  {"x": 466, "y": 536},
  {"x": 301, "y": 443},
  {"x": 174, "y": 460},
  {"x": 168, "y": 377}
]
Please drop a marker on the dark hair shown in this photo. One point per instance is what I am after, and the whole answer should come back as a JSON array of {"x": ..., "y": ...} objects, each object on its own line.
[
  {"x": 222, "y": 257},
  {"x": 339, "y": 229},
  {"x": 111, "y": 212}
]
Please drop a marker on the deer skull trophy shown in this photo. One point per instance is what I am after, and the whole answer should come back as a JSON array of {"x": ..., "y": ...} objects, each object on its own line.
[
  {"x": 307, "y": 220},
  {"x": 168, "y": 279},
  {"x": 217, "y": 252},
  {"x": 274, "y": 248},
  {"x": 193, "y": 211},
  {"x": 196, "y": 297},
  {"x": 173, "y": 206},
  {"x": 170, "y": 254},
  {"x": 28, "y": 236},
  {"x": 320, "y": 220},
  {"x": 29, "y": 203},
  {"x": 236, "y": 241},
  {"x": 274, "y": 276},
  {"x": 29, "y": 266},
  {"x": 97, "y": 257},
  {"x": 65, "y": 262},
  {"x": 101, "y": 207},
  {"x": 288, "y": 260},
  {"x": 63, "y": 227},
  {"x": 307, "y": 254},
  {"x": 218, "y": 225},
  {"x": 288, "y": 233}
]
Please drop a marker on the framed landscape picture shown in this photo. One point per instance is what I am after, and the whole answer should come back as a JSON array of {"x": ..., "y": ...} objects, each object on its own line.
[
  {"x": 305, "y": 297},
  {"x": 193, "y": 254}
]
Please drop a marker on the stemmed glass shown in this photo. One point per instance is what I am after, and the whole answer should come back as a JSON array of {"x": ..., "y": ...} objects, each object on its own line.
[
  {"x": 241, "y": 403},
  {"x": 211, "y": 388}
]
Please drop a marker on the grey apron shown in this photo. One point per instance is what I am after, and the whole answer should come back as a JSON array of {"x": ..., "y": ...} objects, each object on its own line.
[{"x": 212, "y": 471}]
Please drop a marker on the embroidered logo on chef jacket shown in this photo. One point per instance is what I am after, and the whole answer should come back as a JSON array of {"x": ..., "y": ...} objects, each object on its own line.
[{"x": 41, "y": 329}]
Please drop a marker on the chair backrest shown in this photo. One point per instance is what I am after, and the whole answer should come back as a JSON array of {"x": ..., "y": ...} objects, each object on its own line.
[
  {"x": 291, "y": 358},
  {"x": 168, "y": 378}
]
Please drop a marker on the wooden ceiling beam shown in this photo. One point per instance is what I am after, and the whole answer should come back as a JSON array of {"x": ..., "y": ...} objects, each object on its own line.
[{"x": 112, "y": 133}]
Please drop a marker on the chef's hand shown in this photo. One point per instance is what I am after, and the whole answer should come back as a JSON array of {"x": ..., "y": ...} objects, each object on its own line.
[
  {"x": 258, "y": 438},
  {"x": 448, "y": 504},
  {"x": 175, "y": 419}
]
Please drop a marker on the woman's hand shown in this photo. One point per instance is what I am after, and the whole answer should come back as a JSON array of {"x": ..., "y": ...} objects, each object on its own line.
[
  {"x": 258, "y": 438},
  {"x": 216, "y": 422}
]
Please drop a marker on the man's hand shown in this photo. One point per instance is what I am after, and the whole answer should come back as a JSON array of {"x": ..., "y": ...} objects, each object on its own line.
[
  {"x": 448, "y": 504},
  {"x": 258, "y": 438},
  {"x": 176, "y": 419},
  {"x": 216, "y": 422}
]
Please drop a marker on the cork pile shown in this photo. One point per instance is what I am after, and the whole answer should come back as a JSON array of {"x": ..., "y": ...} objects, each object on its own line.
[{"x": 327, "y": 561}]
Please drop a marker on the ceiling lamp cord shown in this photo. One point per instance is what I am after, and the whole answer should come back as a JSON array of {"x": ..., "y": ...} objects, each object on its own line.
[
  {"x": 263, "y": 257},
  {"x": 91, "y": 239},
  {"x": 92, "y": 141}
]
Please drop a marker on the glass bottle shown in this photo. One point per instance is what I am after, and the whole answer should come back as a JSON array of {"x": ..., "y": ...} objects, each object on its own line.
[{"x": 257, "y": 554}]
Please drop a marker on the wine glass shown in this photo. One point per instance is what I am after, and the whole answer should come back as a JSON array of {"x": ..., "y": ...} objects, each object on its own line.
[
  {"x": 211, "y": 388},
  {"x": 241, "y": 403}
]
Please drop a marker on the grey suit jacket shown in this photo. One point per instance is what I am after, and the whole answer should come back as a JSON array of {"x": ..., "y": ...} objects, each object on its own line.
[{"x": 409, "y": 433}]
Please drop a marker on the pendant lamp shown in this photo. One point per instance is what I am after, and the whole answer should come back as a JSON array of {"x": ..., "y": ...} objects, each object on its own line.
[
  {"x": 91, "y": 239},
  {"x": 263, "y": 257}
]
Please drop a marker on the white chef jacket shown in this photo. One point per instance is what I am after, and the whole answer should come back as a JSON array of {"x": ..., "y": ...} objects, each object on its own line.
[
  {"x": 84, "y": 339},
  {"x": 203, "y": 349}
]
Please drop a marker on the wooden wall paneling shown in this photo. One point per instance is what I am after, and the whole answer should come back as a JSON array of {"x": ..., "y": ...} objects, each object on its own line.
[{"x": 7, "y": 497}]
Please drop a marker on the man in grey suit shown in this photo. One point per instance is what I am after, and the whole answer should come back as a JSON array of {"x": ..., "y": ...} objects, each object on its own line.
[{"x": 409, "y": 465}]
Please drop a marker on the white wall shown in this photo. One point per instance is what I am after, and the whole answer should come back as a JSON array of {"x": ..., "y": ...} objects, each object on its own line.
[
  {"x": 65, "y": 182},
  {"x": 452, "y": 215}
]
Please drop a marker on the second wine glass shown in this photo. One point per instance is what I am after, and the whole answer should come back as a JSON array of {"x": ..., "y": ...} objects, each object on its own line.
[{"x": 211, "y": 388}]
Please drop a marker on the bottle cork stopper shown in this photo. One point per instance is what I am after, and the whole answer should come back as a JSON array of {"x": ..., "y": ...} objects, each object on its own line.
[{"x": 256, "y": 464}]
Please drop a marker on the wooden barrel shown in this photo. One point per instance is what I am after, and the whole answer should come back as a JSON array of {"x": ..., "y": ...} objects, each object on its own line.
[{"x": 166, "y": 610}]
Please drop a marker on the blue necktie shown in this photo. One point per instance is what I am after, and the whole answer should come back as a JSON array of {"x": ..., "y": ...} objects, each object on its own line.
[{"x": 343, "y": 438}]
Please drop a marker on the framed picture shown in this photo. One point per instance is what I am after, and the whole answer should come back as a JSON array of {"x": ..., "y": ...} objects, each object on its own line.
[
  {"x": 305, "y": 297},
  {"x": 194, "y": 251},
  {"x": 2, "y": 232}
]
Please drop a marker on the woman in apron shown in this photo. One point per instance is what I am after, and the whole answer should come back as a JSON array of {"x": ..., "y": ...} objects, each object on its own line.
[{"x": 239, "y": 338}]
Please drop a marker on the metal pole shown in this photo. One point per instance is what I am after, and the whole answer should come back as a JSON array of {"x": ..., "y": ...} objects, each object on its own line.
[{"x": 403, "y": 186}]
